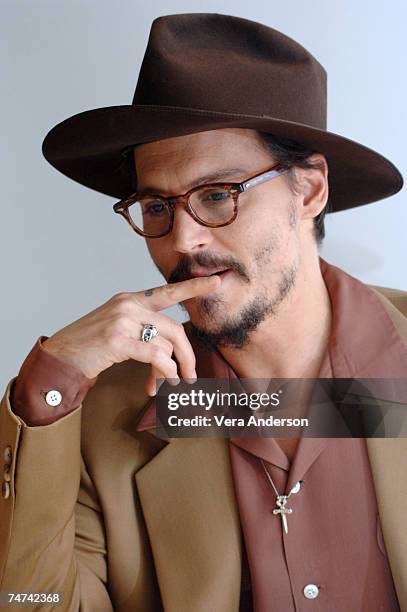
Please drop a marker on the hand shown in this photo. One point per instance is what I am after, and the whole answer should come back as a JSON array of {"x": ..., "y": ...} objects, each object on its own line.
[{"x": 112, "y": 333}]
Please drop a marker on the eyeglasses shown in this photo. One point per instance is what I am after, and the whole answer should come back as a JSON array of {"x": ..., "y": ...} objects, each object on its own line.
[{"x": 212, "y": 205}]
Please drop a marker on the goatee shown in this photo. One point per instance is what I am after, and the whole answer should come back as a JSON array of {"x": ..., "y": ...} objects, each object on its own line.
[{"x": 235, "y": 332}]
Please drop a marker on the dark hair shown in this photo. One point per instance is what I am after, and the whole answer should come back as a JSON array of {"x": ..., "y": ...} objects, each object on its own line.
[{"x": 291, "y": 153}]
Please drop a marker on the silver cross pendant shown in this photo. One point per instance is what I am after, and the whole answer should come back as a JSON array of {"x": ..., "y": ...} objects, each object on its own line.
[{"x": 282, "y": 510}]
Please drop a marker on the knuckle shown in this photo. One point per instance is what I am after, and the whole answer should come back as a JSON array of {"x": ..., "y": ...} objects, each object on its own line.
[
  {"x": 121, "y": 303},
  {"x": 119, "y": 297},
  {"x": 167, "y": 345},
  {"x": 157, "y": 353},
  {"x": 170, "y": 345},
  {"x": 163, "y": 363},
  {"x": 177, "y": 328},
  {"x": 124, "y": 306},
  {"x": 170, "y": 290}
]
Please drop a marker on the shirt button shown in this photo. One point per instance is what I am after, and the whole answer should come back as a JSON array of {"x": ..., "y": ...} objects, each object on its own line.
[
  {"x": 7, "y": 454},
  {"x": 53, "y": 398},
  {"x": 311, "y": 591},
  {"x": 296, "y": 487},
  {"x": 5, "y": 490}
]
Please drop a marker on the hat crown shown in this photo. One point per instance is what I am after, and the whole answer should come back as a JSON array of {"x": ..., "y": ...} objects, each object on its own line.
[{"x": 229, "y": 64}]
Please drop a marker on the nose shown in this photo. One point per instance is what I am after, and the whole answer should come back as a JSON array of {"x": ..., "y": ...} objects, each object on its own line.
[{"x": 187, "y": 234}]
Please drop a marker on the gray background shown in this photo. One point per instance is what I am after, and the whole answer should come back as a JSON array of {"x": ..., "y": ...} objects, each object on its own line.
[{"x": 63, "y": 250}]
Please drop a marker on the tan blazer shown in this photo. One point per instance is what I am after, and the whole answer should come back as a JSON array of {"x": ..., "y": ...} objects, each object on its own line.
[{"x": 165, "y": 511}]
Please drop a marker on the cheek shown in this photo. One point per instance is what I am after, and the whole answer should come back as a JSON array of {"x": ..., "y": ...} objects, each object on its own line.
[
  {"x": 257, "y": 214},
  {"x": 264, "y": 230},
  {"x": 161, "y": 254},
  {"x": 153, "y": 248},
  {"x": 154, "y": 251},
  {"x": 274, "y": 218}
]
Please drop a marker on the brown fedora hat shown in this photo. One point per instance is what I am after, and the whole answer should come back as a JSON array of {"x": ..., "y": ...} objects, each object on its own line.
[{"x": 206, "y": 71}]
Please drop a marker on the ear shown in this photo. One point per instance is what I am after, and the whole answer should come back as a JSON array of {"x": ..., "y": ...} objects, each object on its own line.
[{"x": 313, "y": 187}]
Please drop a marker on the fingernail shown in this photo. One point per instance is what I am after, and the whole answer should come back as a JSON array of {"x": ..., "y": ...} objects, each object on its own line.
[
  {"x": 158, "y": 385},
  {"x": 192, "y": 378},
  {"x": 173, "y": 381}
]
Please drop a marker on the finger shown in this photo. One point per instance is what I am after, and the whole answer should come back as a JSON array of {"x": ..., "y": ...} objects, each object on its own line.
[
  {"x": 155, "y": 380},
  {"x": 149, "y": 384},
  {"x": 172, "y": 338},
  {"x": 135, "y": 331},
  {"x": 163, "y": 342},
  {"x": 148, "y": 352},
  {"x": 165, "y": 296},
  {"x": 158, "y": 378},
  {"x": 174, "y": 333},
  {"x": 168, "y": 347},
  {"x": 152, "y": 384}
]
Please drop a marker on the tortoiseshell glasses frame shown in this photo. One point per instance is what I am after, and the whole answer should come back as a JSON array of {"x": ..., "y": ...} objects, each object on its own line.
[{"x": 235, "y": 189}]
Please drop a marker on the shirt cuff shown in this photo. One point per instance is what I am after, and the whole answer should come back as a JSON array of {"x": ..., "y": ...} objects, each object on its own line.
[{"x": 47, "y": 388}]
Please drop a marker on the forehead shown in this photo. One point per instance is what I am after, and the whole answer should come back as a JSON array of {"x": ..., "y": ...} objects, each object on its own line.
[
  {"x": 178, "y": 164},
  {"x": 203, "y": 146}
]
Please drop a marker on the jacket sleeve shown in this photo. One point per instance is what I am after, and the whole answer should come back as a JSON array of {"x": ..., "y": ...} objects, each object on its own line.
[{"x": 51, "y": 526}]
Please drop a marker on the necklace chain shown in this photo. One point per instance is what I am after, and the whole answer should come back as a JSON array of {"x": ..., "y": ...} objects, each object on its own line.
[{"x": 271, "y": 481}]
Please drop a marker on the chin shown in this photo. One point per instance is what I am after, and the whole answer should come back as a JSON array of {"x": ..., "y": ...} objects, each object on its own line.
[
  {"x": 211, "y": 311},
  {"x": 206, "y": 322}
]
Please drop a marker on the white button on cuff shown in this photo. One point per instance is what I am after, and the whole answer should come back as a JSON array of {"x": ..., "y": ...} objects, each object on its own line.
[
  {"x": 311, "y": 591},
  {"x": 53, "y": 398}
]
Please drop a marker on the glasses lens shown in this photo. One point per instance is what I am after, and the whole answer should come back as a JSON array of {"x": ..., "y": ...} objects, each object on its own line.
[
  {"x": 150, "y": 215},
  {"x": 212, "y": 204}
]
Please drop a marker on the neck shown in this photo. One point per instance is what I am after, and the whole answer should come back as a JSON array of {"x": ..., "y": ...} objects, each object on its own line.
[{"x": 292, "y": 342}]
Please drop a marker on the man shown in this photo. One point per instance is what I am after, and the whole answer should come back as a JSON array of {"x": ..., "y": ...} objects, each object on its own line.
[{"x": 95, "y": 504}]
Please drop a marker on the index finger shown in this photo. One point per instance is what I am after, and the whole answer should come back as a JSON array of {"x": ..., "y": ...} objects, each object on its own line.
[{"x": 168, "y": 295}]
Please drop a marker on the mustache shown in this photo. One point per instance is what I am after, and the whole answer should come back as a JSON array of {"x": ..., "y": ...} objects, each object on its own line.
[{"x": 205, "y": 260}]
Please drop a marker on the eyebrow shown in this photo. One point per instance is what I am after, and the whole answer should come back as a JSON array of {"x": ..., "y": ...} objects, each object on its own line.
[{"x": 206, "y": 178}]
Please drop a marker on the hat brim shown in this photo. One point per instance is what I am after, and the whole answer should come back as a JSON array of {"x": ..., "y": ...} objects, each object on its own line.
[{"x": 88, "y": 146}]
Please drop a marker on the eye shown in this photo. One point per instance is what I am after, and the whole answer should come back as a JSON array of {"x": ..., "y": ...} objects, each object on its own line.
[
  {"x": 216, "y": 195},
  {"x": 154, "y": 209}
]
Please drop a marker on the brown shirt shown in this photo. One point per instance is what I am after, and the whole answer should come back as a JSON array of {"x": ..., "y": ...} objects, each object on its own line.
[{"x": 334, "y": 540}]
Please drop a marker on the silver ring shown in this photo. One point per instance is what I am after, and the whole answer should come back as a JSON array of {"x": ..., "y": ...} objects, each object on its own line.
[{"x": 149, "y": 332}]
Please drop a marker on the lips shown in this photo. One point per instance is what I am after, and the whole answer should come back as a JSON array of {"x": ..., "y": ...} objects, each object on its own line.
[{"x": 208, "y": 272}]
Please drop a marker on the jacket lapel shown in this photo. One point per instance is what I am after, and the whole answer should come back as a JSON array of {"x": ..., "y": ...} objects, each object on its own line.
[
  {"x": 387, "y": 458},
  {"x": 191, "y": 514},
  {"x": 389, "y": 470}
]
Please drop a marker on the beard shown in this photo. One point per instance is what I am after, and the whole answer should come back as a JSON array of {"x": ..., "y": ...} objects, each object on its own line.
[
  {"x": 235, "y": 332},
  {"x": 219, "y": 328}
]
